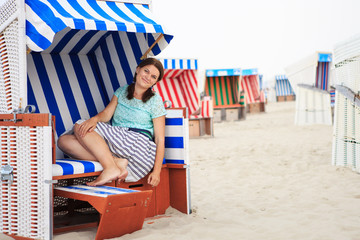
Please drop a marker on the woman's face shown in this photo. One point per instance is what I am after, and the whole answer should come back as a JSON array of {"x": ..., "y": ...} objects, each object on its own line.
[{"x": 147, "y": 76}]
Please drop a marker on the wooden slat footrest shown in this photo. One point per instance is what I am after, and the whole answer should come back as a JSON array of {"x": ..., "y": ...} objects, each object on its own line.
[{"x": 122, "y": 210}]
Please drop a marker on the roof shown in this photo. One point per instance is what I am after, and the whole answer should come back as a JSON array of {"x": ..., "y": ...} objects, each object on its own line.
[
  {"x": 179, "y": 63},
  {"x": 223, "y": 72}
]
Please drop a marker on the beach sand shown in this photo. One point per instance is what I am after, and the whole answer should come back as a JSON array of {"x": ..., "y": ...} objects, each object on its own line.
[{"x": 261, "y": 178}]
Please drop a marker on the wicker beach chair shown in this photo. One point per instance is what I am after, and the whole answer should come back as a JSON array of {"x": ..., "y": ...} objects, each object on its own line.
[
  {"x": 67, "y": 64},
  {"x": 310, "y": 78}
]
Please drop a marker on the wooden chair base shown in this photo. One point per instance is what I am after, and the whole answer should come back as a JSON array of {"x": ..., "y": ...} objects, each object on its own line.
[{"x": 119, "y": 213}]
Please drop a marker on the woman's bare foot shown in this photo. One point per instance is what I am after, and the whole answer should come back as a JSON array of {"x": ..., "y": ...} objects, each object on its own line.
[
  {"x": 106, "y": 176},
  {"x": 121, "y": 163}
]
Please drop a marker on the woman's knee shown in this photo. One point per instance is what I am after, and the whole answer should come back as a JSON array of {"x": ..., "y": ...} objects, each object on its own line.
[{"x": 63, "y": 142}]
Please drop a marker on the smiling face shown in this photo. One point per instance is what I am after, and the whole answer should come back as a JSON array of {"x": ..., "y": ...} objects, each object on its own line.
[{"x": 146, "y": 76}]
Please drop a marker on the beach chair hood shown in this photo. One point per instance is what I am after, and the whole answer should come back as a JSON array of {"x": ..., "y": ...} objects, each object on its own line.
[
  {"x": 87, "y": 49},
  {"x": 50, "y": 21}
]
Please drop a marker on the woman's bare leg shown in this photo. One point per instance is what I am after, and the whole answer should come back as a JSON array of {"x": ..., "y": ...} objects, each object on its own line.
[
  {"x": 70, "y": 145},
  {"x": 92, "y": 146},
  {"x": 121, "y": 163}
]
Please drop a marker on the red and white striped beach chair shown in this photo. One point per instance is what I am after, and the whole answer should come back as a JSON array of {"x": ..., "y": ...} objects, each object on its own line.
[
  {"x": 254, "y": 98},
  {"x": 224, "y": 87},
  {"x": 180, "y": 87},
  {"x": 77, "y": 54}
]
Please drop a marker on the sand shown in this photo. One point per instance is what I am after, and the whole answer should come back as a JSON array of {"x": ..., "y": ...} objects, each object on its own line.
[{"x": 261, "y": 178}]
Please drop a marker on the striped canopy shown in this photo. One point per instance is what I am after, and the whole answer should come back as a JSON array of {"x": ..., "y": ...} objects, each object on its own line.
[
  {"x": 250, "y": 84},
  {"x": 88, "y": 49},
  {"x": 223, "y": 85},
  {"x": 45, "y": 19},
  {"x": 283, "y": 86},
  {"x": 322, "y": 75},
  {"x": 313, "y": 70},
  {"x": 182, "y": 64},
  {"x": 180, "y": 84}
]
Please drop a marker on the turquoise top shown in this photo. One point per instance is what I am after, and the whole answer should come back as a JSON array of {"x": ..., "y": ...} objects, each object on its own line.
[{"x": 135, "y": 113}]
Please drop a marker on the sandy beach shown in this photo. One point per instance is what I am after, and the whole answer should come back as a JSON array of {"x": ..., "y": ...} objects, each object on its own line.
[{"x": 261, "y": 178}]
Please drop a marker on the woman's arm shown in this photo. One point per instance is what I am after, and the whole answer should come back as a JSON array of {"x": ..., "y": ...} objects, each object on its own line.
[
  {"x": 159, "y": 132},
  {"x": 103, "y": 116}
]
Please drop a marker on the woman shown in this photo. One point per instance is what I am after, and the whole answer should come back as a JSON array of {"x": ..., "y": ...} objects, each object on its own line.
[{"x": 125, "y": 148}]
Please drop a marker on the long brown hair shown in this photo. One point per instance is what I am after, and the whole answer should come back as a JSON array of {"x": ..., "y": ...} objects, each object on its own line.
[{"x": 149, "y": 93}]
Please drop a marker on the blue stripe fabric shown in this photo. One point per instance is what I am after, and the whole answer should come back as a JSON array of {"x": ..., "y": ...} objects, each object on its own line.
[
  {"x": 174, "y": 121},
  {"x": 118, "y": 189},
  {"x": 283, "y": 86},
  {"x": 31, "y": 95},
  {"x": 68, "y": 103},
  {"x": 103, "y": 190},
  {"x": 175, "y": 63},
  {"x": 98, "y": 79},
  {"x": 110, "y": 67},
  {"x": 64, "y": 41},
  {"x": 47, "y": 89},
  {"x": 156, "y": 49},
  {"x": 82, "y": 42},
  {"x": 85, "y": 89},
  {"x": 44, "y": 12},
  {"x": 88, "y": 166},
  {"x": 223, "y": 72},
  {"x": 68, "y": 169},
  {"x": 121, "y": 52},
  {"x": 60, "y": 14},
  {"x": 174, "y": 142},
  {"x": 65, "y": 87},
  {"x": 174, "y": 161},
  {"x": 145, "y": 19},
  {"x": 41, "y": 41},
  {"x": 94, "y": 190}
]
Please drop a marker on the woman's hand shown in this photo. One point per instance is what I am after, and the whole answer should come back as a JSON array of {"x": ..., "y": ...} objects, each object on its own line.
[
  {"x": 87, "y": 126},
  {"x": 154, "y": 179}
]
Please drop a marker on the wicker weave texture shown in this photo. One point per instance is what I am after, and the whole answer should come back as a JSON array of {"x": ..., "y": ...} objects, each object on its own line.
[
  {"x": 9, "y": 68},
  {"x": 312, "y": 107},
  {"x": 346, "y": 138},
  {"x": 25, "y": 209}
]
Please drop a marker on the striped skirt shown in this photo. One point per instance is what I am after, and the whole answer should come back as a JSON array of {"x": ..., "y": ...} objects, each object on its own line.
[{"x": 138, "y": 149}]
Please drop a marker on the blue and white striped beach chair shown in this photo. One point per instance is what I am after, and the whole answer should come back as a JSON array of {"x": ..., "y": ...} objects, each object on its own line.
[{"x": 72, "y": 57}]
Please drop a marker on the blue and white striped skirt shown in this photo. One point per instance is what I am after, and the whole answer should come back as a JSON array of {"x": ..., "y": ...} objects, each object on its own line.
[{"x": 137, "y": 148}]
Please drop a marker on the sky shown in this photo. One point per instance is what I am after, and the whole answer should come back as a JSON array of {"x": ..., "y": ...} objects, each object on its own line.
[{"x": 265, "y": 34}]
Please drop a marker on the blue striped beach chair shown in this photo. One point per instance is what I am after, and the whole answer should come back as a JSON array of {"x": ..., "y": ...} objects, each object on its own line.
[
  {"x": 283, "y": 89},
  {"x": 76, "y": 53}
]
